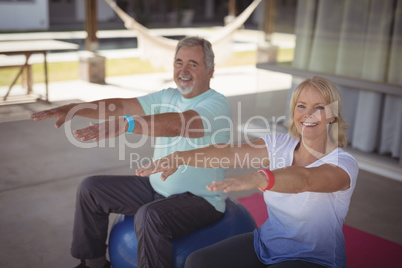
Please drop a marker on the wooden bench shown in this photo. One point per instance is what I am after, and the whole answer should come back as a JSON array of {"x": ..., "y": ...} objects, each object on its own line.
[
  {"x": 25, "y": 71},
  {"x": 28, "y": 48}
]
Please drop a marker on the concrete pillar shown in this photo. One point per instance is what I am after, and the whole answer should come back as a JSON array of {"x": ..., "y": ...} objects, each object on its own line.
[
  {"x": 266, "y": 52},
  {"x": 92, "y": 67}
]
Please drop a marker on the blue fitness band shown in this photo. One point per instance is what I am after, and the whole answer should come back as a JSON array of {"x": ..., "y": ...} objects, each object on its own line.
[{"x": 131, "y": 123}]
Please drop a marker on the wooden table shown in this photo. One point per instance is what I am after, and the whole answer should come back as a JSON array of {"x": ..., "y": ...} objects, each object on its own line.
[{"x": 28, "y": 48}]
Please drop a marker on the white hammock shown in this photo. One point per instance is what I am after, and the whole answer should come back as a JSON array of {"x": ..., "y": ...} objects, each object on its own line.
[{"x": 160, "y": 50}]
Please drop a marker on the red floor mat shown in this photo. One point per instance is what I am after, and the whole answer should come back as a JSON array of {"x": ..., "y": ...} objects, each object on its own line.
[{"x": 362, "y": 249}]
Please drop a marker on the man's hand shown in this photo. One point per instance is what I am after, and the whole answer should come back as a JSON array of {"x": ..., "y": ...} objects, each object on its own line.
[
  {"x": 104, "y": 130},
  {"x": 167, "y": 165},
  {"x": 60, "y": 113}
]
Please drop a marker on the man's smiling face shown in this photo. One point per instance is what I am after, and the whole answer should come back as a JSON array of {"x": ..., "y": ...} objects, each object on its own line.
[{"x": 190, "y": 72}]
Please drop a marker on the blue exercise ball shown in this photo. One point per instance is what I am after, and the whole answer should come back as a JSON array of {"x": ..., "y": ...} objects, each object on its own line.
[{"x": 123, "y": 241}]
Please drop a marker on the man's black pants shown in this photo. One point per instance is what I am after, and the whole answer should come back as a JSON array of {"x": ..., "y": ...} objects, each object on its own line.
[{"x": 157, "y": 219}]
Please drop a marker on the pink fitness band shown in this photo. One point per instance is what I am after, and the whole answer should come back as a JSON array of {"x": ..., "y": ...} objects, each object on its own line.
[{"x": 270, "y": 177}]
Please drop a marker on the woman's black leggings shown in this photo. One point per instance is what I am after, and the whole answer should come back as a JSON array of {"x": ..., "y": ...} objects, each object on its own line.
[{"x": 237, "y": 251}]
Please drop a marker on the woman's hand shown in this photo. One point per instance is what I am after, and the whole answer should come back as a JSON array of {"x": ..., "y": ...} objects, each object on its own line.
[
  {"x": 244, "y": 182},
  {"x": 105, "y": 130},
  {"x": 167, "y": 165}
]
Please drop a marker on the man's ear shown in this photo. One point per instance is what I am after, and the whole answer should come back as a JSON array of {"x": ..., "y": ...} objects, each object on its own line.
[{"x": 211, "y": 72}]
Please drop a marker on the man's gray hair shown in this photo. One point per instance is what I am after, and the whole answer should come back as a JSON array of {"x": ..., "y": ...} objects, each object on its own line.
[{"x": 191, "y": 41}]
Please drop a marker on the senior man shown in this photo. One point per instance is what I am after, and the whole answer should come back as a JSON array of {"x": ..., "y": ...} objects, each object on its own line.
[{"x": 187, "y": 117}]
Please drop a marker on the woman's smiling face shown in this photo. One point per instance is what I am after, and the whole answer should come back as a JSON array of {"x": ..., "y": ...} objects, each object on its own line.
[{"x": 311, "y": 115}]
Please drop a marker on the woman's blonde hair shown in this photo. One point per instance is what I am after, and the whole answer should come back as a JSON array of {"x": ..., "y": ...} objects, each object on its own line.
[{"x": 332, "y": 98}]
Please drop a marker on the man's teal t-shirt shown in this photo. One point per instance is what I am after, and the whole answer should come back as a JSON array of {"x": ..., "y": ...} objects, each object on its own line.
[{"x": 215, "y": 110}]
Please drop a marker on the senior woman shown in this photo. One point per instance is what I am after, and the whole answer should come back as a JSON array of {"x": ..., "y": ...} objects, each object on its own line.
[{"x": 307, "y": 188}]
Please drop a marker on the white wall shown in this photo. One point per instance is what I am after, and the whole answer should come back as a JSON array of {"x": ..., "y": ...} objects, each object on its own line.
[
  {"x": 24, "y": 15},
  {"x": 105, "y": 12}
]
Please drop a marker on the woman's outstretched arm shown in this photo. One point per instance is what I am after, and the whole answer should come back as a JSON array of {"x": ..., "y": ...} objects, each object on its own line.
[
  {"x": 252, "y": 154},
  {"x": 293, "y": 179}
]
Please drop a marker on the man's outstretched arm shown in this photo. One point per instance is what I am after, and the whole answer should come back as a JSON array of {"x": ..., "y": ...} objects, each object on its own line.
[
  {"x": 187, "y": 124},
  {"x": 100, "y": 109}
]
